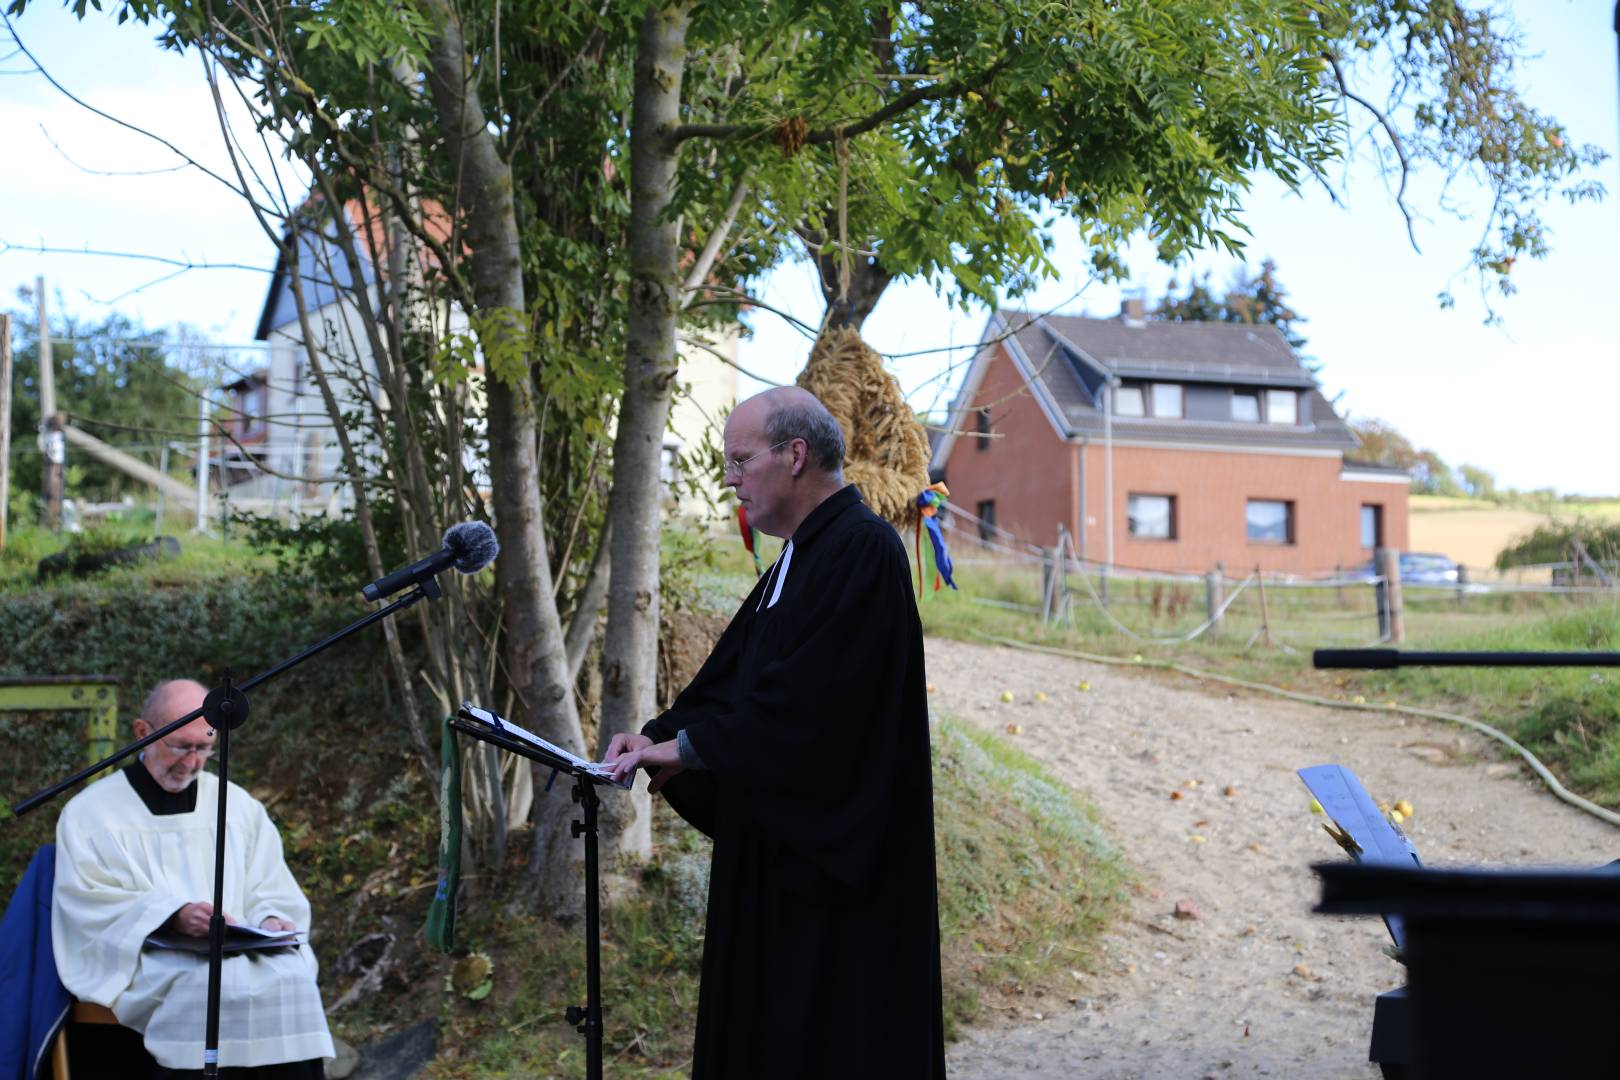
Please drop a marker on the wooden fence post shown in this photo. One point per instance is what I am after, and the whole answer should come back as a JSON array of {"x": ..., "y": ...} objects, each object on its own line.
[
  {"x": 1389, "y": 565},
  {"x": 1265, "y": 616},
  {"x": 1049, "y": 558},
  {"x": 1213, "y": 598}
]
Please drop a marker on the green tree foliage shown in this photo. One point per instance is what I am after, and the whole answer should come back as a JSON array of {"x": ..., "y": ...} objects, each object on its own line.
[
  {"x": 969, "y": 128},
  {"x": 1154, "y": 117},
  {"x": 1453, "y": 108},
  {"x": 1478, "y": 482},
  {"x": 114, "y": 380},
  {"x": 1252, "y": 298},
  {"x": 1382, "y": 444},
  {"x": 1554, "y": 541}
]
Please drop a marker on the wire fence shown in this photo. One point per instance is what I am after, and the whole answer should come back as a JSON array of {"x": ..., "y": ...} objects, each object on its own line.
[{"x": 999, "y": 569}]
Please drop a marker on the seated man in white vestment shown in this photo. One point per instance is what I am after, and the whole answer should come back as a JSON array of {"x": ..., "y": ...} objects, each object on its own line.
[{"x": 135, "y": 854}]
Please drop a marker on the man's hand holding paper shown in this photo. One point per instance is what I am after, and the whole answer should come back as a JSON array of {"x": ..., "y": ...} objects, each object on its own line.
[{"x": 628, "y": 752}]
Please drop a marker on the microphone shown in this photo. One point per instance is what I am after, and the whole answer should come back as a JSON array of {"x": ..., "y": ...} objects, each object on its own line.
[{"x": 469, "y": 547}]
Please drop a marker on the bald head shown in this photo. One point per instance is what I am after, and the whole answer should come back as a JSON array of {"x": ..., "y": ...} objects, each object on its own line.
[
  {"x": 785, "y": 455},
  {"x": 792, "y": 412},
  {"x": 172, "y": 699},
  {"x": 175, "y": 760}
]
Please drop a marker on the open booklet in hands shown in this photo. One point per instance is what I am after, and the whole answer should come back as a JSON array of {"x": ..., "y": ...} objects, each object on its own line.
[{"x": 238, "y": 938}]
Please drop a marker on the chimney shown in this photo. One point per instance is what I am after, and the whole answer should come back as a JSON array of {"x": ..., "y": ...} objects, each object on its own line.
[{"x": 1133, "y": 311}]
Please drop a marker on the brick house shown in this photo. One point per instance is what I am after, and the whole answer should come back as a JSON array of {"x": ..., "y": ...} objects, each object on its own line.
[{"x": 1192, "y": 443}]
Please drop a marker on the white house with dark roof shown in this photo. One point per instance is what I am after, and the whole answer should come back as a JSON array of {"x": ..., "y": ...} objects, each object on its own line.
[{"x": 283, "y": 443}]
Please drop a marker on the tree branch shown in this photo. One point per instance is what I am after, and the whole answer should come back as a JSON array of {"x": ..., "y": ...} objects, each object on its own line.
[
  {"x": 711, "y": 249},
  {"x": 1394, "y": 139},
  {"x": 901, "y": 104},
  {"x": 71, "y": 96}
]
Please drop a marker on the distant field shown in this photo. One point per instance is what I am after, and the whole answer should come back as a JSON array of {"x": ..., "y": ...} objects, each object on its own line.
[{"x": 1472, "y": 532}]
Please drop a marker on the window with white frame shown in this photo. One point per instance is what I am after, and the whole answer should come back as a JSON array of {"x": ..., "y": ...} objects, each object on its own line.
[
  {"x": 1282, "y": 407},
  {"x": 1167, "y": 401},
  {"x": 1128, "y": 401},
  {"x": 1151, "y": 517},
  {"x": 1246, "y": 406}
]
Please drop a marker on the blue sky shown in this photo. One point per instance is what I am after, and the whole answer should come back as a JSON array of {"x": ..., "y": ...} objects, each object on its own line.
[{"x": 1533, "y": 402}]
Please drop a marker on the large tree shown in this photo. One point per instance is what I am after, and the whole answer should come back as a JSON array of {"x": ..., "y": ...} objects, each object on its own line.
[{"x": 1179, "y": 106}]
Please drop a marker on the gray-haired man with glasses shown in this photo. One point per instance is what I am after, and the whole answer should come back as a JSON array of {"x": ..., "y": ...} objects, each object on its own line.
[{"x": 135, "y": 856}]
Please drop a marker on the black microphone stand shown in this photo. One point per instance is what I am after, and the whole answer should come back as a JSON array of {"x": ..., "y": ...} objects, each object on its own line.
[
  {"x": 225, "y": 708},
  {"x": 587, "y": 1019},
  {"x": 1386, "y": 659}
]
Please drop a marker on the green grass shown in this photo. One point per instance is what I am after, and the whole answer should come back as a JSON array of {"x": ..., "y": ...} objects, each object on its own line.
[
  {"x": 1027, "y": 878},
  {"x": 201, "y": 557},
  {"x": 1027, "y": 881}
]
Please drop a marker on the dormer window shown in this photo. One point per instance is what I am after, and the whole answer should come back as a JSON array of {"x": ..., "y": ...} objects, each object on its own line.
[
  {"x": 1246, "y": 407},
  {"x": 1167, "y": 401},
  {"x": 1162, "y": 401},
  {"x": 1282, "y": 407}
]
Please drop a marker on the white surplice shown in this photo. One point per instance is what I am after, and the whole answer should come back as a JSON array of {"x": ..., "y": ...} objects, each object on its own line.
[{"x": 121, "y": 871}]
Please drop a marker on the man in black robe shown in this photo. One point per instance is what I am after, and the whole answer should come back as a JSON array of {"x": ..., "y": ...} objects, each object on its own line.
[{"x": 801, "y": 747}]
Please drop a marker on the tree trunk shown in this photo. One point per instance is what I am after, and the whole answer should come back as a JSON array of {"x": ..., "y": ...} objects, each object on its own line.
[
  {"x": 630, "y": 649},
  {"x": 536, "y": 658}
]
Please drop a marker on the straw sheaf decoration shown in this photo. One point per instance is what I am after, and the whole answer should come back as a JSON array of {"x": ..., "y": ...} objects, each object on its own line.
[{"x": 886, "y": 450}]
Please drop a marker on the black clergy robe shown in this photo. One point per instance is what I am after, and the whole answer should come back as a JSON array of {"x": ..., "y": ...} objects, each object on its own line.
[{"x": 822, "y": 951}]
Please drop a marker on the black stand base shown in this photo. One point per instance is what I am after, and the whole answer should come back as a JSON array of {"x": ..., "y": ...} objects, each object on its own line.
[{"x": 587, "y": 1018}]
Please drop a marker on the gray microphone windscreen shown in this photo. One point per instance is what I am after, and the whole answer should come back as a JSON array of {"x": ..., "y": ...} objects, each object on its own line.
[{"x": 474, "y": 545}]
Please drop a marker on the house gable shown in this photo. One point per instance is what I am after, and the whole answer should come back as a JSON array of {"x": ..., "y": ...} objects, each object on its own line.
[{"x": 996, "y": 341}]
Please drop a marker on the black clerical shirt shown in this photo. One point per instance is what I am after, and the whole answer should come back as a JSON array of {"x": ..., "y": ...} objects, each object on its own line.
[{"x": 157, "y": 799}]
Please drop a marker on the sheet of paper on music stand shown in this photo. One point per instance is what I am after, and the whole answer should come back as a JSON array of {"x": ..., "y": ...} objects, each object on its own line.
[{"x": 511, "y": 730}]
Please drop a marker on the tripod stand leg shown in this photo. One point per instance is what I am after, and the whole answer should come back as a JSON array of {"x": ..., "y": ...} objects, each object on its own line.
[
  {"x": 591, "y": 1027},
  {"x": 216, "y": 923}
]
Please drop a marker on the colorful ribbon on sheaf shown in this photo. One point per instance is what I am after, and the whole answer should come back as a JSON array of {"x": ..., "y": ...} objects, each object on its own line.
[
  {"x": 750, "y": 536},
  {"x": 929, "y": 504}
]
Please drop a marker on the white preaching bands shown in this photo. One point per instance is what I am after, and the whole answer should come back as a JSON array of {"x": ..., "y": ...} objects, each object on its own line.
[{"x": 780, "y": 569}]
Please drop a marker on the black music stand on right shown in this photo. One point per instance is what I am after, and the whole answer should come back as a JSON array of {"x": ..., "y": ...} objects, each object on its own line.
[{"x": 486, "y": 726}]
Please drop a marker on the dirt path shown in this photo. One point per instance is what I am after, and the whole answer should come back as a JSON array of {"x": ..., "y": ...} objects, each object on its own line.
[{"x": 1255, "y": 986}]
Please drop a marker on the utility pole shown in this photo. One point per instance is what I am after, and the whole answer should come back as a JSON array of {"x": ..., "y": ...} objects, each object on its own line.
[
  {"x": 51, "y": 440},
  {"x": 202, "y": 463},
  {"x": 1108, "y": 483},
  {"x": 5, "y": 423}
]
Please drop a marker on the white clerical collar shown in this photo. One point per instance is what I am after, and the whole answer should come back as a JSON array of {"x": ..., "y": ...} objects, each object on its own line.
[{"x": 780, "y": 569}]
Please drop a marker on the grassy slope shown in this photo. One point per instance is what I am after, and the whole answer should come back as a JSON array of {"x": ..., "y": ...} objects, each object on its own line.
[{"x": 1027, "y": 881}]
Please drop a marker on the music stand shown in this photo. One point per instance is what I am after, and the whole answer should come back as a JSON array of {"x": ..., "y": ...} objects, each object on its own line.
[{"x": 486, "y": 726}]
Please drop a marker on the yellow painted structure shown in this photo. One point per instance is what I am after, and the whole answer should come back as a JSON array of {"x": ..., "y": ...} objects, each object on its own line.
[{"x": 96, "y": 695}]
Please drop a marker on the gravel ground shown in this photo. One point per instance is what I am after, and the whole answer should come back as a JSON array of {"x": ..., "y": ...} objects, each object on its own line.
[{"x": 1254, "y": 985}]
